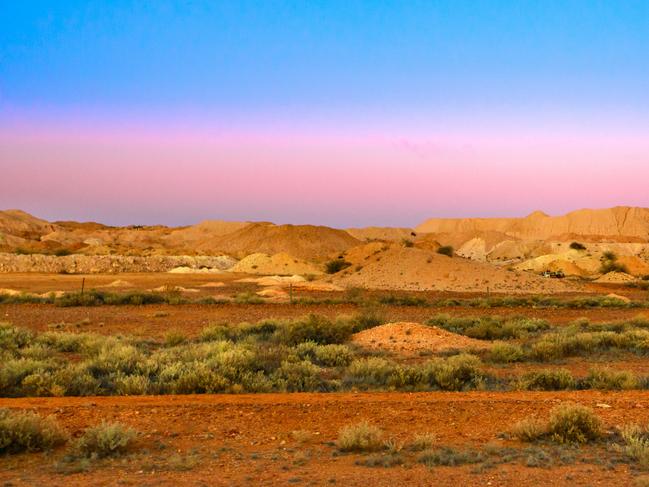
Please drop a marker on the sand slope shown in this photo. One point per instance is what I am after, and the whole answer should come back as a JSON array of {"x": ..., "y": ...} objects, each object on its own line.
[
  {"x": 279, "y": 264},
  {"x": 403, "y": 268},
  {"x": 307, "y": 242}
]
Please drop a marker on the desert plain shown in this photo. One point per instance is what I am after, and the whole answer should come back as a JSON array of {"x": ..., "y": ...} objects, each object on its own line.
[{"x": 504, "y": 351}]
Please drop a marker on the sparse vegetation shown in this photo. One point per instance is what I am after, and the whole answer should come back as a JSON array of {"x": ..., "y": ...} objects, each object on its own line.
[
  {"x": 26, "y": 431},
  {"x": 336, "y": 265},
  {"x": 105, "y": 440},
  {"x": 568, "y": 424},
  {"x": 610, "y": 263},
  {"x": 574, "y": 423},
  {"x": 636, "y": 445},
  {"x": 577, "y": 246},
  {"x": 360, "y": 438},
  {"x": 446, "y": 250}
]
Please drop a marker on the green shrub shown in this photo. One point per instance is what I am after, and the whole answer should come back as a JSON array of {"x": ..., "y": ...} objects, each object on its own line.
[
  {"x": 457, "y": 373},
  {"x": 13, "y": 338},
  {"x": 132, "y": 385},
  {"x": 574, "y": 423},
  {"x": 490, "y": 327},
  {"x": 446, "y": 250},
  {"x": 547, "y": 380},
  {"x": 577, "y": 246},
  {"x": 27, "y": 431},
  {"x": 105, "y": 440},
  {"x": 369, "y": 372},
  {"x": 505, "y": 353},
  {"x": 407, "y": 243},
  {"x": 447, "y": 456},
  {"x": 610, "y": 264},
  {"x": 325, "y": 355},
  {"x": 314, "y": 328},
  {"x": 636, "y": 444},
  {"x": 607, "y": 379},
  {"x": 174, "y": 338},
  {"x": 530, "y": 429},
  {"x": 368, "y": 317},
  {"x": 336, "y": 265},
  {"x": 299, "y": 377},
  {"x": 361, "y": 437},
  {"x": 423, "y": 441}
]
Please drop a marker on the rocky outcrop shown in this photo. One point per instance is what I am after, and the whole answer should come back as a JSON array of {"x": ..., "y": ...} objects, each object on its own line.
[{"x": 102, "y": 264}]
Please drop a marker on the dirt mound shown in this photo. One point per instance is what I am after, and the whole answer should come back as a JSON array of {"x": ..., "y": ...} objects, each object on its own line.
[
  {"x": 382, "y": 233},
  {"x": 280, "y": 264},
  {"x": 201, "y": 236},
  {"x": 615, "y": 278},
  {"x": 616, "y": 222},
  {"x": 119, "y": 283},
  {"x": 403, "y": 268},
  {"x": 183, "y": 269},
  {"x": 412, "y": 338},
  {"x": 306, "y": 242},
  {"x": 213, "y": 284},
  {"x": 21, "y": 224},
  {"x": 362, "y": 253}
]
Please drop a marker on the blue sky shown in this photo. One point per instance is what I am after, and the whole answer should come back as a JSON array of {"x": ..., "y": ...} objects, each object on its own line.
[{"x": 518, "y": 89}]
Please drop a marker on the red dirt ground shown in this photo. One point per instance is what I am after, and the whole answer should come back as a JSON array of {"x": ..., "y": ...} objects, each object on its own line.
[
  {"x": 246, "y": 439},
  {"x": 155, "y": 320}
]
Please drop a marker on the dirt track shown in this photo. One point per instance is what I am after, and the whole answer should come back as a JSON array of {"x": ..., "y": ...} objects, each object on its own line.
[{"x": 246, "y": 439}]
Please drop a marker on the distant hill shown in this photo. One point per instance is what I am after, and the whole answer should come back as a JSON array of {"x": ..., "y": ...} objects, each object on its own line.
[{"x": 619, "y": 222}]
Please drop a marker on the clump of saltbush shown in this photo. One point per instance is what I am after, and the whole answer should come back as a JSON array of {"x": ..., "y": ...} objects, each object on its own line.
[
  {"x": 26, "y": 431},
  {"x": 568, "y": 424},
  {"x": 490, "y": 327},
  {"x": 360, "y": 438},
  {"x": 105, "y": 440},
  {"x": 547, "y": 380}
]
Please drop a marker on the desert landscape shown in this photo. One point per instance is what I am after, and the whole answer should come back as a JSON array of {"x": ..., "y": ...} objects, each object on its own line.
[
  {"x": 472, "y": 351},
  {"x": 324, "y": 243}
]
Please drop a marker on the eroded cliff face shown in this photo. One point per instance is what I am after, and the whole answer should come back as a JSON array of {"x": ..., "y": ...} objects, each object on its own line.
[{"x": 619, "y": 222}]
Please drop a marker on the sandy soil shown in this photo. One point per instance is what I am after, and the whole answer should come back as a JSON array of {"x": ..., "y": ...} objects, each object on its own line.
[
  {"x": 411, "y": 338},
  {"x": 246, "y": 439}
]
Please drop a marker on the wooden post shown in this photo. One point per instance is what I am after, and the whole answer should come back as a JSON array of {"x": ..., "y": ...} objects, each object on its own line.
[
  {"x": 83, "y": 285},
  {"x": 290, "y": 292}
]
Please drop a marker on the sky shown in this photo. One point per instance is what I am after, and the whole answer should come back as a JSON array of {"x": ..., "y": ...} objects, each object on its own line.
[{"x": 341, "y": 113}]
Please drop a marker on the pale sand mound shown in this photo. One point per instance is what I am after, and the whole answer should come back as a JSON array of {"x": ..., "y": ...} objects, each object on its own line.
[
  {"x": 119, "y": 283},
  {"x": 281, "y": 264},
  {"x": 409, "y": 338},
  {"x": 403, "y": 268},
  {"x": 213, "y": 284},
  {"x": 10, "y": 292},
  {"x": 571, "y": 263},
  {"x": 273, "y": 280},
  {"x": 567, "y": 267},
  {"x": 190, "y": 270},
  {"x": 273, "y": 293},
  {"x": 615, "y": 278}
]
